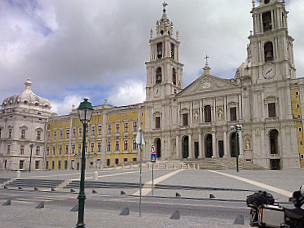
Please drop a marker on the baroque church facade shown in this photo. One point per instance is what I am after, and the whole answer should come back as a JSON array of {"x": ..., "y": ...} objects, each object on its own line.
[{"x": 264, "y": 97}]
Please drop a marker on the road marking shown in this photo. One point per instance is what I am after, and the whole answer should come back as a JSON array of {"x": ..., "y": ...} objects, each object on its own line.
[
  {"x": 258, "y": 184},
  {"x": 147, "y": 188}
]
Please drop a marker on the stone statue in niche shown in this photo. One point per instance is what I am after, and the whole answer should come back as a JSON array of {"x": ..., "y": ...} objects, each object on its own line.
[
  {"x": 220, "y": 114},
  {"x": 247, "y": 144}
]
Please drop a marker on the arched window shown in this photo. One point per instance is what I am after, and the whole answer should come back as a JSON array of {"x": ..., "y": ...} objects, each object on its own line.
[
  {"x": 158, "y": 75},
  {"x": 174, "y": 76},
  {"x": 267, "y": 25},
  {"x": 159, "y": 50},
  {"x": 268, "y": 51}
]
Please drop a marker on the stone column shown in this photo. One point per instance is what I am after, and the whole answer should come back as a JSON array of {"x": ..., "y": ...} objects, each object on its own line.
[
  {"x": 226, "y": 151},
  {"x": 190, "y": 147},
  {"x": 177, "y": 148},
  {"x": 200, "y": 151},
  {"x": 214, "y": 151},
  {"x": 241, "y": 150}
]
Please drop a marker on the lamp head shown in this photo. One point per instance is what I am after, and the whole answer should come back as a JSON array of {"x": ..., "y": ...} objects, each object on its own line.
[{"x": 85, "y": 111}]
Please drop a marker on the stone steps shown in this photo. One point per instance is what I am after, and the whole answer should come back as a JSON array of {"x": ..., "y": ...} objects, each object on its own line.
[{"x": 221, "y": 164}]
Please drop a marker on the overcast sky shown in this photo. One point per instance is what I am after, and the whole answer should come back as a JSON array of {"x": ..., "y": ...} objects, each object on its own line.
[{"x": 98, "y": 48}]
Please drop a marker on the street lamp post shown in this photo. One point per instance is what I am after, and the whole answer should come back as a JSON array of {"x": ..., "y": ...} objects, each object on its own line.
[
  {"x": 85, "y": 111},
  {"x": 31, "y": 146},
  {"x": 236, "y": 128}
]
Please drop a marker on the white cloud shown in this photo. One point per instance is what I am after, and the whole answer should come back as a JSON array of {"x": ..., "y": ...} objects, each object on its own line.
[
  {"x": 65, "y": 106},
  {"x": 128, "y": 92},
  {"x": 69, "y": 45}
]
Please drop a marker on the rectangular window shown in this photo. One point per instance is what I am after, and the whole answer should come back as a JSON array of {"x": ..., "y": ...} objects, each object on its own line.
[
  {"x": 59, "y": 165},
  {"x": 134, "y": 159},
  {"x": 297, "y": 93},
  {"x": 73, "y": 149},
  {"x": 37, "y": 150},
  {"x": 65, "y": 164},
  {"x": 67, "y": 133},
  {"x": 66, "y": 149},
  {"x": 99, "y": 147},
  {"x": 108, "y": 162},
  {"x": 10, "y": 133},
  {"x": 125, "y": 144},
  {"x": 157, "y": 122},
  {"x": 117, "y": 128},
  {"x": 109, "y": 146},
  {"x": 99, "y": 130},
  {"x": 298, "y": 106},
  {"x": 233, "y": 114},
  {"x": 23, "y": 133},
  {"x": 47, "y": 150},
  {"x": 8, "y": 149},
  {"x": 61, "y": 133},
  {"x": 39, "y": 135},
  {"x": 185, "y": 119},
  {"x": 93, "y": 131},
  {"x": 300, "y": 129},
  {"x": 126, "y": 127},
  {"x": 21, "y": 164},
  {"x": 46, "y": 165},
  {"x": 37, "y": 163},
  {"x": 116, "y": 145},
  {"x": 207, "y": 112},
  {"x": 54, "y": 135},
  {"x": 116, "y": 161},
  {"x": 79, "y": 132},
  {"x": 271, "y": 110},
  {"x": 125, "y": 159},
  {"x": 60, "y": 149},
  {"x": 79, "y": 148},
  {"x": 98, "y": 163},
  {"x": 53, "y": 164},
  {"x": 109, "y": 129},
  {"x": 92, "y": 147},
  {"x": 21, "y": 149},
  {"x": 134, "y": 144},
  {"x": 54, "y": 150},
  {"x": 134, "y": 126}
]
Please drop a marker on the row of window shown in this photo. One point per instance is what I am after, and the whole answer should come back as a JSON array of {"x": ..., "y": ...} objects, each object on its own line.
[
  {"x": 23, "y": 133},
  {"x": 91, "y": 164},
  {"x": 21, "y": 164},
  {"x": 92, "y": 147},
  {"x": 22, "y": 150},
  {"x": 92, "y": 131}
]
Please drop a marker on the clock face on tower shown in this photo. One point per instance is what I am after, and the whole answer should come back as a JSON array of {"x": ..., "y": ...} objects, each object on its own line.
[
  {"x": 157, "y": 91},
  {"x": 269, "y": 70}
]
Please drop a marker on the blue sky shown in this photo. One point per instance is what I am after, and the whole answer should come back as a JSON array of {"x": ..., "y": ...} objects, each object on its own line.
[{"x": 98, "y": 48}]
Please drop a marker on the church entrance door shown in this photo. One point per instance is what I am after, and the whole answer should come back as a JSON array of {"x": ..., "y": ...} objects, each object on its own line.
[
  {"x": 185, "y": 147},
  {"x": 158, "y": 147},
  {"x": 208, "y": 146}
]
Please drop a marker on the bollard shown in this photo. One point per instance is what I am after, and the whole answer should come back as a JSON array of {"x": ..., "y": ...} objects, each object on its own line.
[
  {"x": 95, "y": 177},
  {"x": 18, "y": 174}
]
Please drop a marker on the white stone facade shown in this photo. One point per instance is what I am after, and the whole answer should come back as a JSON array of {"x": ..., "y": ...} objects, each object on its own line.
[
  {"x": 22, "y": 123},
  {"x": 196, "y": 122}
]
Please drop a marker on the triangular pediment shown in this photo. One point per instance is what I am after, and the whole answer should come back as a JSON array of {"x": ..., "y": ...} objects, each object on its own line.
[{"x": 207, "y": 83}]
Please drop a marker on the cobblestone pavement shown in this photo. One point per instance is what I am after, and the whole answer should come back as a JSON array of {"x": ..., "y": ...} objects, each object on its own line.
[{"x": 23, "y": 214}]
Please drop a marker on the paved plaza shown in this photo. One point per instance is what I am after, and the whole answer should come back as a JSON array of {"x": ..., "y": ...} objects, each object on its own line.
[{"x": 102, "y": 209}]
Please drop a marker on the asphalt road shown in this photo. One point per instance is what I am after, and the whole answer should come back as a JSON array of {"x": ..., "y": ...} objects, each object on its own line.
[{"x": 103, "y": 208}]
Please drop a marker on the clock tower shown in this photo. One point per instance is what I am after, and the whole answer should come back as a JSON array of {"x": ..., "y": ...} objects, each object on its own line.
[
  {"x": 270, "y": 51},
  {"x": 164, "y": 71}
]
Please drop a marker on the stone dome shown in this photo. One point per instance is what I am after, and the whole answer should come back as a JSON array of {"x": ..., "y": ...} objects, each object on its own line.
[{"x": 27, "y": 97}]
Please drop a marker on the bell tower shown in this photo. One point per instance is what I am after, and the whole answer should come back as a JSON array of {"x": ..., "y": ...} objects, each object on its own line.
[
  {"x": 164, "y": 71},
  {"x": 270, "y": 51}
]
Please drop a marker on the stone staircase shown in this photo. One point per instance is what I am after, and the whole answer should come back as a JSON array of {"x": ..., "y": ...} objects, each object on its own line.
[{"x": 221, "y": 164}]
